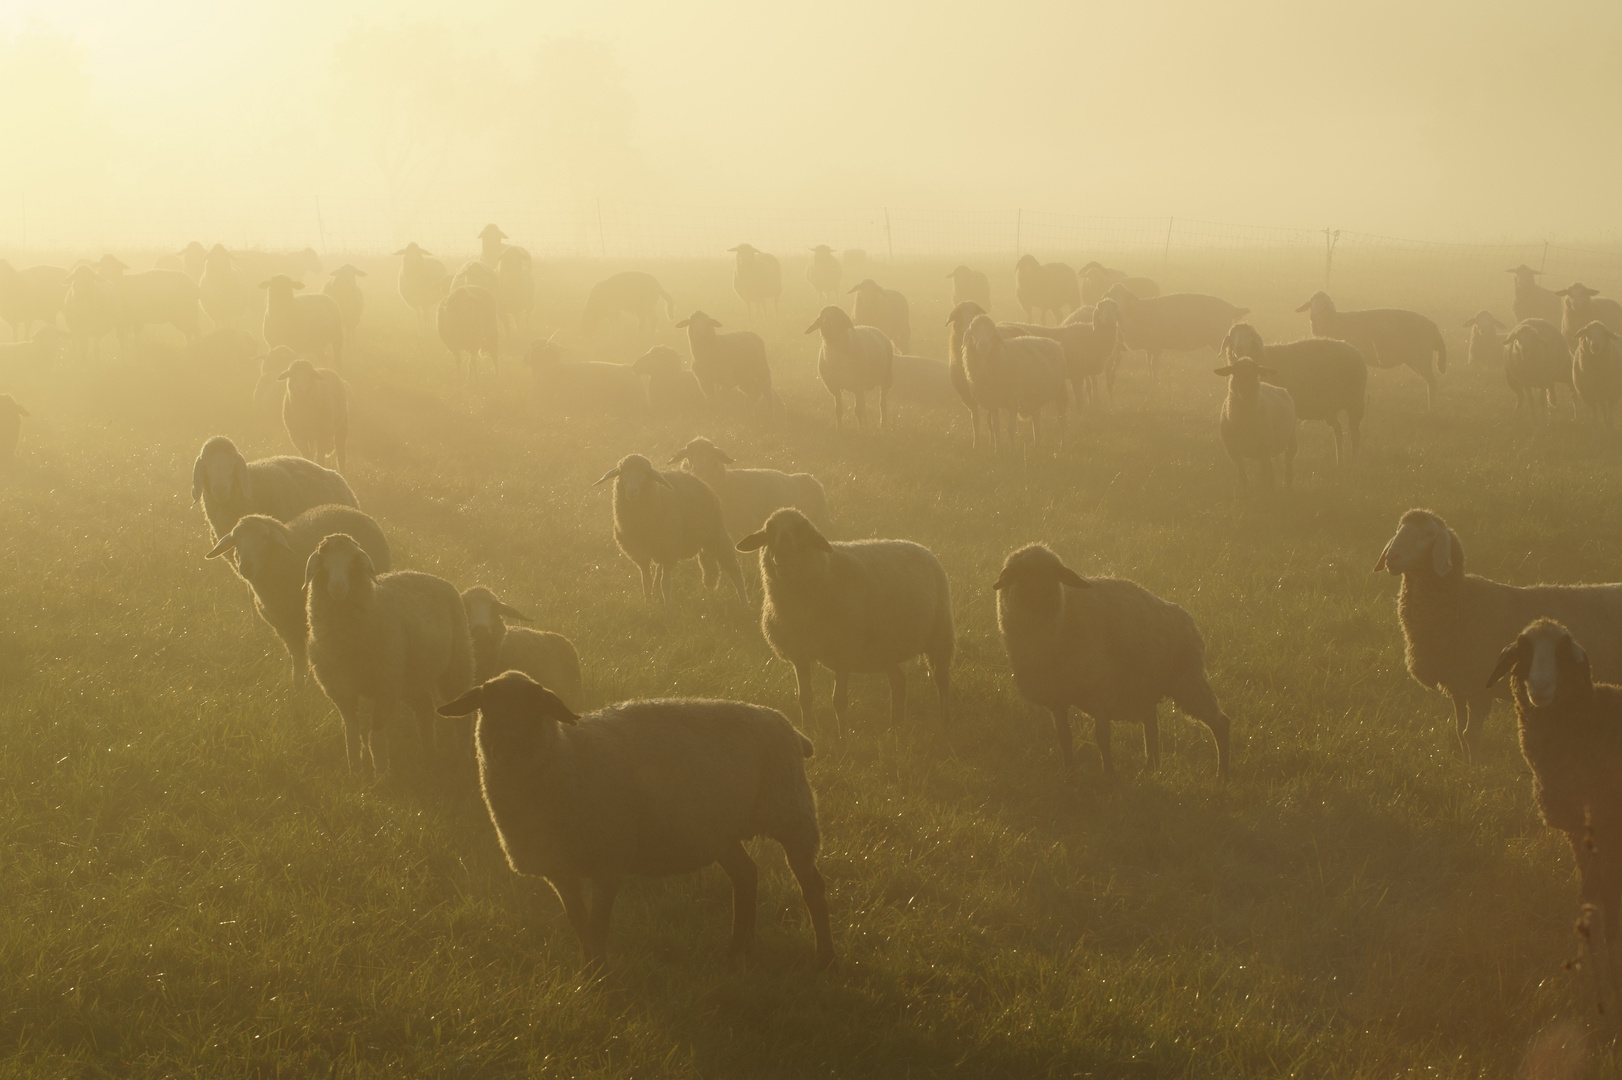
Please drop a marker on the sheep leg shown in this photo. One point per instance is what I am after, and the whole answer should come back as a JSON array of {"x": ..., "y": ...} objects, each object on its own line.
[
  {"x": 861, "y": 409},
  {"x": 841, "y": 698},
  {"x": 802, "y": 683},
  {"x": 599, "y": 914},
  {"x": 898, "y": 695},
  {"x": 1340, "y": 455},
  {"x": 803, "y": 861},
  {"x": 1151, "y": 738},
  {"x": 349, "y": 711},
  {"x": 1101, "y": 735},
  {"x": 377, "y": 736},
  {"x": 573, "y": 898},
  {"x": 709, "y": 571},
  {"x": 974, "y": 426},
  {"x": 839, "y": 410},
  {"x": 1061, "y": 735},
  {"x": 884, "y": 407},
  {"x": 647, "y": 581},
  {"x": 940, "y": 667},
  {"x": 1468, "y": 715},
  {"x": 745, "y": 877},
  {"x": 729, "y": 563}
]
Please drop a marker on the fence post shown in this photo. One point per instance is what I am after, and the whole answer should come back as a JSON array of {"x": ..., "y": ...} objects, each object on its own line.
[
  {"x": 889, "y": 242},
  {"x": 1165, "y": 256},
  {"x": 1019, "y": 220}
]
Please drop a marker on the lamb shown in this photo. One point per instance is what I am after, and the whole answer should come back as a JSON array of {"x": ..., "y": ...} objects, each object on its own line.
[
  {"x": 824, "y": 274},
  {"x": 30, "y": 295},
  {"x": 632, "y": 293},
  {"x": 271, "y": 556},
  {"x": 652, "y": 788},
  {"x": 970, "y": 287},
  {"x": 735, "y": 360},
  {"x": 853, "y": 359},
  {"x": 11, "y": 427},
  {"x": 672, "y": 390},
  {"x": 282, "y": 487},
  {"x": 1385, "y": 337},
  {"x": 1096, "y": 278},
  {"x": 957, "y": 322},
  {"x": 1050, "y": 288},
  {"x": 152, "y": 297},
  {"x": 491, "y": 248},
  {"x": 315, "y": 411},
  {"x": 1486, "y": 347},
  {"x": 1596, "y": 371},
  {"x": 423, "y": 282},
  {"x": 90, "y": 309},
  {"x": 1582, "y": 306},
  {"x": 1533, "y": 301},
  {"x": 852, "y": 606},
  {"x": 1177, "y": 322},
  {"x": 550, "y": 659},
  {"x": 661, "y": 519},
  {"x": 1324, "y": 378},
  {"x": 748, "y": 496},
  {"x": 469, "y": 321},
  {"x": 39, "y": 351},
  {"x": 306, "y": 324},
  {"x": 1258, "y": 421},
  {"x": 1106, "y": 646},
  {"x": 1456, "y": 623},
  {"x": 757, "y": 278},
  {"x": 399, "y": 639},
  {"x": 344, "y": 288},
  {"x": 1020, "y": 374},
  {"x": 223, "y": 289},
  {"x": 1536, "y": 360},
  {"x": 885, "y": 309},
  {"x": 515, "y": 287},
  {"x": 584, "y": 387}
]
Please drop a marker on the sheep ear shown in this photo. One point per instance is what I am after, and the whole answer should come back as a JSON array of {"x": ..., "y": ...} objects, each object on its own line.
[
  {"x": 1001, "y": 583},
  {"x": 1380, "y": 563},
  {"x": 678, "y": 456},
  {"x": 683, "y": 324},
  {"x": 753, "y": 541},
  {"x": 659, "y": 478},
  {"x": 310, "y": 565},
  {"x": 466, "y": 705},
  {"x": 284, "y": 376},
  {"x": 607, "y": 476},
  {"x": 1073, "y": 579},
  {"x": 512, "y": 612},
  {"x": 726, "y": 458},
  {"x": 264, "y": 284},
  {"x": 279, "y": 534},
  {"x": 814, "y": 327},
  {"x": 1506, "y": 662},
  {"x": 821, "y": 541},
  {"x": 553, "y": 708},
  {"x": 1442, "y": 553},
  {"x": 1225, "y": 371},
  {"x": 227, "y": 542},
  {"x": 1304, "y": 307}
]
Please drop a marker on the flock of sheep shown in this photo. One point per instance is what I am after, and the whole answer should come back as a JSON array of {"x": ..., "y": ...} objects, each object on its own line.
[{"x": 668, "y": 786}]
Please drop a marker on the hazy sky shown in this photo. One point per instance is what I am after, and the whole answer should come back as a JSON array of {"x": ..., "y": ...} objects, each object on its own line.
[{"x": 1463, "y": 118}]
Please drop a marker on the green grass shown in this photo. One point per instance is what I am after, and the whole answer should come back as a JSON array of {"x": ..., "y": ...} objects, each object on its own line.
[{"x": 193, "y": 884}]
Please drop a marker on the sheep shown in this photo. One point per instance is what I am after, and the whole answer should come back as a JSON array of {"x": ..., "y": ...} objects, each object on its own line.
[
  {"x": 32, "y": 294},
  {"x": 270, "y": 556},
  {"x": 193, "y": 260},
  {"x": 584, "y": 387},
  {"x": 672, "y": 390},
  {"x": 824, "y": 274},
  {"x": 1581, "y": 306},
  {"x": 1045, "y": 288},
  {"x": 652, "y": 788},
  {"x": 957, "y": 323},
  {"x": 1455, "y": 623},
  {"x": 970, "y": 287},
  {"x": 315, "y": 411},
  {"x": 477, "y": 274},
  {"x": 515, "y": 287},
  {"x": 1533, "y": 301},
  {"x": 1596, "y": 371},
  {"x": 1020, "y": 374},
  {"x": 11, "y": 427},
  {"x": 1258, "y": 421},
  {"x": 399, "y": 639},
  {"x": 90, "y": 308},
  {"x": 1090, "y": 344},
  {"x": 1096, "y": 278},
  {"x": 230, "y": 486},
  {"x": 735, "y": 360},
  {"x": 491, "y": 247},
  {"x": 632, "y": 293},
  {"x": 852, "y": 606},
  {"x": 423, "y": 282},
  {"x": 883, "y": 308},
  {"x": 756, "y": 277},
  {"x": 1536, "y": 360},
  {"x": 748, "y": 496},
  {"x": 469, "y": 321},
  {"x": 1106, "y": 646},
  {"x": 853, "y": 359},
  {"x": 268, "y": 390},
  {"x": 306, "y": 324},
  {"x": 222, "y": 288},
  {"x": 1324, "y": 378},
  {"x": 40, "y": 350},
  {"x": 152, "y": 297},
  {"x": 346, "y": 293},
  {"x": 661, "y": 519},
  {"x": 1385, "y": 337},
  {"x": 1486, "y": 346},
  {"x": 1177, "y": 322},
  {"x": 550, "y": 659}
]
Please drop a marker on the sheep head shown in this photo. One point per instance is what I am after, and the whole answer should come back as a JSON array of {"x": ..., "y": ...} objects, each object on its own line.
[
  {"x": 301, "y": 378},
  {"x": 280, "y": 286},
  {"x": 111, "y": 266},
  {"x": 1245, "y": 377},
  {"x": 1319, "y": 305},
  {"x": 340, "y": 568},
  {"x": 220, "y": 472},
  {"x": 348, "y": 272},
  {"x": 491, "y": 233},
  {"x": 1032, "y": 582},
  {"x": 791, "y": 549},
  {"x": 1595, "y": 338},
  {"x": 701, "y": 456},
  {"x": 633, "y": 476},
  {"x": 1107, "y": 315},
  {"x": 1026, "y": 263},
  {"x": 1485, "y": 322},
  {"x": 1122, "y": 295},
  {"x": 834, "y": 322},
  {"x": 413, "y": 253},
  {"x": 218, "y": 259},
  {"x": 485, "y": 623},
  {"x": 254, "y": 538},
  {"x": 1545, "y": 663},
  {"x": 1577, "y": 293},
  {"x": 1243, "y": 340},
  {"x": 964, "y": 314},
  {"x": 1524, "y": 276},
  {"x": 699, "y": 324},
  {"x": 865, "y": 286},
  {"x": 1423, "y": 542},
  {"x": 518, "y": 716}
]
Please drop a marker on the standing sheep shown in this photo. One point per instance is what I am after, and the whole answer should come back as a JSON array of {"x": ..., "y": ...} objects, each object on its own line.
[
  {"x": 1090, "y": 338},
  {"x": 223, "y": 289},
  {"x": 672, "y": 389},
  {"x": 1022, "y": 375},
  {"x": 1096, "y": 278},
  {"x": 230, "y": 486},
  {"x": 423, "y": 282},
  {"x": 957, "y": 323},
  {"x": 1106, "y": 646},
  {"x": 1536, "y": 360},
  {"x": 469, "y": 321},
  {"x": 344, "y": 288},
  {"x": 90, "y": 309},
  {"x": 661, "y": 519},
  {"x": 748, "y": 496},
  {"x": 491, "y": 247},
  {"x": 1582, "y": 306},
  {"x": 315, "y": 411},
  {"x": 1258, "y": 421},
  {"x": 1045, "y": 289},
  {"x": 1324, "y": 378},
  {"x": 970, "y": 287},
  {"x": 734, "y": 360},
  {"x": 853, "y": 359},
  {"x": 757, "y": 278},
  {"x": 1596, "y": 372},
  {"x": 32, "y": 294},
  {"x": 1531, "y": 300},
  {"x": 11, "y": 427},
  {"x": 1177, "y": 322},
  {"x": 885, "y": 309},
  {"x": 852, "y": 606},
  {"x": 305, "y": 324},
  {"x": 1385, "y": 337},
  {"x": 151, "y": 298},
  {"x": 824, "y": 274},
  {"x": 1486, "y": 347},
  {"x": 550, "y": 659},
  {"x": 632, "y": 293}
]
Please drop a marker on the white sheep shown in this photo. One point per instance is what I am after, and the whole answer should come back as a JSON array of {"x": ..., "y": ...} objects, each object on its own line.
[
  {"x": 1486, "y": 345},
  {"x": 734, "y": 360},
  {"x": 550, "y": 659},
  {"x": 883, "y": 308},
  {"x": 957, "y": 323},
  {"x": 1324, "y": 378},
  {"x": 305, "y": 324},
  {"x": 423, "y": 282},
  {"x": 748, "y": 496},
  {"x": 11, "y": 427},
  {"x": 1536, "y": 360},
  {"x": 1019, "y": 375},
  {"x": 672, "y": 390},
  {"x": 1386, "y": 337},
  {"x": 1531, "y": 300},
  {"x": 1106, "y": 646},
  {"x": 1258, "y": 421},
  {"x": 30, "y": 295},
  {"x": 345, "y": 290},
  {"x": 1596, "y": 371},
  {"x": 584, "y": 387},
  {"x": 1096, "y": 278},
  {"x": 469, "y": 322},
  {"x": 970, "y": 287},
  {"x": 230, "y": 486},
  {"x": 1178, "y": 322},
  {"x": 650, "y": 788},
  {"x": 1090, "y": 338},
  {"x": 315, "y": 411},
  {"x": 853, "y": 359},
  {"x": 661, "y": 519},
  {"x": 824, "y": 274},
  {"x": 1581, "y": 305},
  {"x": 1051, "y": 288},
  {"x": 632, "y": 293},
  {"x": 223, "y": 288},
  {"x": 152, "y": 298},
  {"x": 757, "y": 278}
]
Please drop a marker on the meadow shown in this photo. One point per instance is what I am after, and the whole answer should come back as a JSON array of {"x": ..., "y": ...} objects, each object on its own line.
[{"x": 194, "y": 883}]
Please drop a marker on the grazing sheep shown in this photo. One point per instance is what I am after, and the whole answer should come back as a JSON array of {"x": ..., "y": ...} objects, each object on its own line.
[
  {"x": 1581, "y": 306},
  {"x": 921, "y": 379},
  {"x": 824, "y": 274},
  {"x": 282, "y": 487},
  {"x": 550, "y": 659},
  {"x": 90, "y": 309},
  {"x": 757, "y": 278},
  {"x": 1020, "y": 374},
  {"x": 1106, "y": 646},
  {"x": 853, "y": 359},
  {"x": 315, "y": 411},
  {"x": 1596, "y": 371},
  {"x": 748, "y": 496},
  {"x": 1486, "y": 346},
  {"x": 30, "y": 295},
  {"x": 632, "y": 293},
  {"x": 661, "y": 519},
  {"x": 1385, "y": 337},
  {"x": 270, "y": 557},
  {"x": 652, "y": 788},
  {"x": 734, "y": 360},
  {"x": 1096, "y": 278},
  {"x": 151, "y": 298},
  {"x": 672, "y": 389},
  {"x": 852, "y": 606},
  {"x": 1533, "y": 301},
  {"x": 346, "y": 293},
  {"x": 970, "y": 287},
  {"x": 11, "y": 427},
  {"x": 469, "y": 321},
  {"x": 885, "y": 309},
  {"x": 515, "y": 287},
  {"x": 223, "y": 289},
  {"x": 1456, "y": 623},
  {"x": 491, "y": 247},
  {"x": 39, "y": 351},
  {"x": 957, "y": 323},
  {"x": 1051, "y": 288},
  {"x": 1324, "y": 378},
  {"x": 398, "y": 639},
  {"x": 1178, "y": 322},
  {"x": 305, "y": 324},
  {"x": 423, "y": 282},
  {"x": 1258, "y": 421},
  {"x": 1536, "y": 360},
  {"x": 589, "y": 387}
]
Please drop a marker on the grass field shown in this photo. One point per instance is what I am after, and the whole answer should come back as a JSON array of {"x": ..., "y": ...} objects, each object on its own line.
[{"x": 193, "y": 883}]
